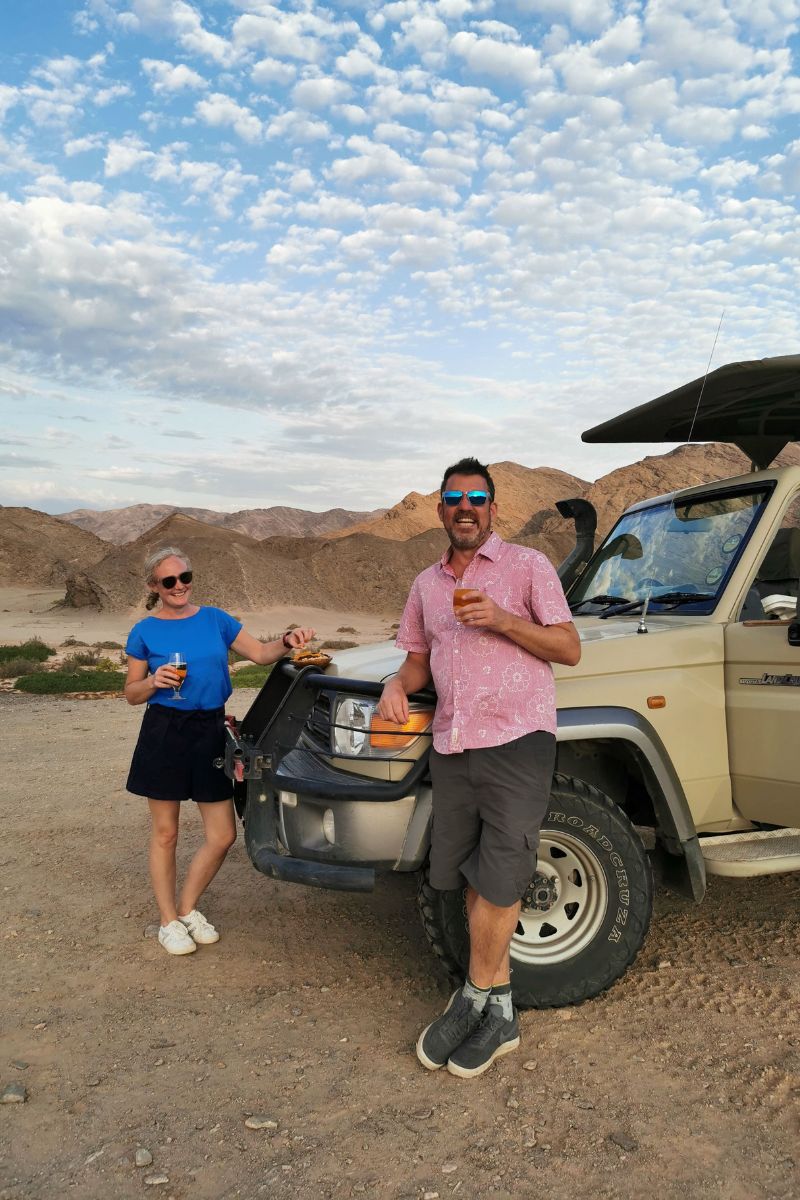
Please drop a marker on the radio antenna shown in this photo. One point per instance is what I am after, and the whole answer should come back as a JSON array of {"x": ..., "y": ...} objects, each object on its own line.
[{"x": 705, "y": 377}]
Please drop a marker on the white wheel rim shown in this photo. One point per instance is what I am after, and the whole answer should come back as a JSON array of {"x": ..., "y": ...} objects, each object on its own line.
[{"x": 577, "y": 914}]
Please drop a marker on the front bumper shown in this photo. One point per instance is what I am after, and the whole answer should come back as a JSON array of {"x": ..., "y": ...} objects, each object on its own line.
[{"x": 306, "y": 820}]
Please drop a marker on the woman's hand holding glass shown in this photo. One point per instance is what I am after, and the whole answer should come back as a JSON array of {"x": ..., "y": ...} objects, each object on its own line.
[{"x": 170, "y": 675}]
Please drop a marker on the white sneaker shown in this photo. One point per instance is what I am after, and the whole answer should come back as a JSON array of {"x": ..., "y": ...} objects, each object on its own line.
[
  {"x": 202, "y": 931},
  {"x": 175, "y": 939}
]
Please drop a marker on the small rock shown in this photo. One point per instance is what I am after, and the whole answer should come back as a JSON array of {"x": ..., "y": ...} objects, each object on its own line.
[
  {"x": 14, "y": 1093},
  {"x": 583, "y": 1104},
  {"x": 624, "y": 1141},
  {"x": 530, "y": 1065},
  {"x": 512, "y": 1103},
  {"x": 448, "y": 1168},
  {"x": 155, "y": 1180},
  {"x": 95, "y": 1155},
  {"x": 430, "y": 1196},
  {"x": 40, "y": 1025},
  {"x": 260, "y": 1122},
  {"x": 93, "y": 1082},
  {"x": 150, "y": 931},
  {"x": 664, "y": 964},
  {"x": 142, "y": 1157},
  {"x": 19, "y": 1065},
  {"x": 423, "y": 1115}
]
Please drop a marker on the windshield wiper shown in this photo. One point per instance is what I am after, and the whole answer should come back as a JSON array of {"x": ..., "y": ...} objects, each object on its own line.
[
  {"x": 674, "y": 599},
  {"x": 602, "y": 599}
]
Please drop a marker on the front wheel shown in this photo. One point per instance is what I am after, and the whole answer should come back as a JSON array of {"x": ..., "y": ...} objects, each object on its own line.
[{"x": 585, "y": 912}]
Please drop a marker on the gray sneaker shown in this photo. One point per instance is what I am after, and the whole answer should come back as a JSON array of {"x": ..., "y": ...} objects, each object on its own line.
[
  {"x": 438, "y": 1041},
  {"x": 494, "y": 1037}
]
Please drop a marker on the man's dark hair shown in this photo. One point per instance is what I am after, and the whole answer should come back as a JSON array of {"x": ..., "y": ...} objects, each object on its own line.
[{"x": 469, "y": 466}]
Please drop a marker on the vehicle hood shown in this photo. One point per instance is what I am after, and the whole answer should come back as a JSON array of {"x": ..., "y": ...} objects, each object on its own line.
[
  {"x": 614, "y": 647},
  {"x": 372, "y": 662}
]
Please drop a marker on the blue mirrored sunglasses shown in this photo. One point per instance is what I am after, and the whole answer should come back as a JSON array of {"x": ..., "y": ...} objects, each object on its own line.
[{"x": 476, "y": 499}]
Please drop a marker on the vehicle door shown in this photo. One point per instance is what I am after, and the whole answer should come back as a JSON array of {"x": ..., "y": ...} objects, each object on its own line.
[{"x": 762, "y": 684}]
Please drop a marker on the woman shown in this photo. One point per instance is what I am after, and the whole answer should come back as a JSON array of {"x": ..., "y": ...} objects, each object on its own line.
[{"x": 183, "y": 731}]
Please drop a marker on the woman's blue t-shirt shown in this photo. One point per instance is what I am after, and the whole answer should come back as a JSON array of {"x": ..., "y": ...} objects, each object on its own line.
[{"x": 204, "y": 640}]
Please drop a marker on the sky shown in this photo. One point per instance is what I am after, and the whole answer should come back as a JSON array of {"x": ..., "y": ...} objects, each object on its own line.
[{"x": 308, "y": 254}]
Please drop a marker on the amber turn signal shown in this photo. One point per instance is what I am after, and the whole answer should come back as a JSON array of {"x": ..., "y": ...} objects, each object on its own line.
[
  {"x": 656, "y": 702},
  {"x": 385, "y": 735}
]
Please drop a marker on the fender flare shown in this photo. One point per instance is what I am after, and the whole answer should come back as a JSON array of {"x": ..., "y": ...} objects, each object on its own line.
[{"x": 666, "y": 791}]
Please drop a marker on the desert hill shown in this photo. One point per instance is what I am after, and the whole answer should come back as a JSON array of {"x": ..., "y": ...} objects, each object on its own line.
[
  {"x": 654, "y": 475},
  {"x": 520, "y": 492},
  {"x": 231, "y": 570},
  {"x": 370, "y": 567},
  {"x": 121, "y": 525},
  {"x": 36, "y": 549}
]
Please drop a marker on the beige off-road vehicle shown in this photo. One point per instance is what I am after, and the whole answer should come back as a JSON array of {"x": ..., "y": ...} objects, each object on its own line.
[{"x": 676, "y": 733}]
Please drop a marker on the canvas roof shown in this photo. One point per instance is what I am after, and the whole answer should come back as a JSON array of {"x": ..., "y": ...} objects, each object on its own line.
[{"x": 754, "y": 404}]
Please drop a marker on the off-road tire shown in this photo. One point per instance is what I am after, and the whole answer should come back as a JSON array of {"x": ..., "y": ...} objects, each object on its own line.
[{"x": 595, "y": 860}]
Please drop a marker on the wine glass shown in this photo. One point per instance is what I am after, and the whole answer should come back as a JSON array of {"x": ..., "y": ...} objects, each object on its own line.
[
  {"x": 461, "y": 595},
  {"x": 177, "y": 661}
]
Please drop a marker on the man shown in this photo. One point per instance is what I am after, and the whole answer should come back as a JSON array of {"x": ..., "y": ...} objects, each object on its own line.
[{"x": 493, "y": 744}]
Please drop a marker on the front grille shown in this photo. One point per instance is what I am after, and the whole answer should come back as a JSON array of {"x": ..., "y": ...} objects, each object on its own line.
[{"x": 317, "y": 728}]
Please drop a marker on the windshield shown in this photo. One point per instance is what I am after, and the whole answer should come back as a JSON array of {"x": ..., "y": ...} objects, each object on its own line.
[{"x": 680, "y": 553}]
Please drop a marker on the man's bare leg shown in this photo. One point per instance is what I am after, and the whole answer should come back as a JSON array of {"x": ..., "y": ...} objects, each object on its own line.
[{"x": 491, "y": 928}]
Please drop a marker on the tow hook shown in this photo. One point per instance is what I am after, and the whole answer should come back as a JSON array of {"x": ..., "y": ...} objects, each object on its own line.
[{"x": 541, "y": 893}]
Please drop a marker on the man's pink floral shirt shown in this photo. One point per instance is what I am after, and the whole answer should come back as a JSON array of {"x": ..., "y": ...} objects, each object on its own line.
[{"x": 489, "y": 690}]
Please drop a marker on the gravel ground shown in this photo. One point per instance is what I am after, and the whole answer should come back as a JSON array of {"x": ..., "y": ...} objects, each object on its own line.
[{"x": 682, "y": 1081}]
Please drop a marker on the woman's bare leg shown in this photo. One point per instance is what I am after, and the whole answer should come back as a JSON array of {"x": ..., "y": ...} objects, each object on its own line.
[
  {"x": 219, "y": 825},
  {"x": 165, "y": 816}
]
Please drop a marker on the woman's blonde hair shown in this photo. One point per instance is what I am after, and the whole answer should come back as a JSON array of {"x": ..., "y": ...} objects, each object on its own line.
[{"x": 150, "y": 564}]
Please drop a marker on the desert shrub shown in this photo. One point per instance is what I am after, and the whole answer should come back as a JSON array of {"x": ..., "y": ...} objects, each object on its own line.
[
  {"x": 108, "y": 646},
  {"x": 105, "y": 664},
  {"x": 73, "y": 641},
  {"x": 53, "y": 683},
  {"x": 72, "y": 662},
  {"x": 251, "y": 676},
  {"x": 346, "y": 629},
  {"x": 341, "y": 644},
  {"x": 34, "y": 650},
  {"x": 12, "y": 667}
]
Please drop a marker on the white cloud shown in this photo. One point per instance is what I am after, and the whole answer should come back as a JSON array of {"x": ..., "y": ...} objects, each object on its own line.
[
  {"x": 125, "y": 155},
  {"x": 107, "y": 95},
  {"x": 298, "y": 127},
  {"x": 271, "y": 70},
  {"x": 503, "y": 60},
  {"x": 9, "y": 96},
  {"x": 219, "y": 110},
  {"x": 167, "y": 77},
  {"x": 321, "y": 92}
]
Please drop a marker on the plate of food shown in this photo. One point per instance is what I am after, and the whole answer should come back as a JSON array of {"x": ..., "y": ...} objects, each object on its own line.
[{"x": 307, "y": 656}]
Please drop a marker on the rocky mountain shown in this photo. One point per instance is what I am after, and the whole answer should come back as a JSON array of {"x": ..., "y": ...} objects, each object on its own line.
[
  {"x": 37, "y": 550},
  {"x": 239, "y": 573},
  {"x": 366, "y": 568},
  {"x": 121, "y": 525},
  {"x": 520, "y": 492},
  {"x": 654, "y": 475}
]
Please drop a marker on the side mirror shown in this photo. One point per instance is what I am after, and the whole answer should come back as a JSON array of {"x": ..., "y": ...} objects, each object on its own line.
[{"x": 793, "y": 632}]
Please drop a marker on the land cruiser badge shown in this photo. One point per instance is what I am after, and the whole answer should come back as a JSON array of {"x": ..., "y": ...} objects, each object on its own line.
[{"x": 768, "y": 680}]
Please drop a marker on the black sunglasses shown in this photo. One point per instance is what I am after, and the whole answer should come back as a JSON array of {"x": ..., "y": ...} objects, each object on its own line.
[
  {"x": 476, "y": 499},
  {"x": 169, "y": 581}
]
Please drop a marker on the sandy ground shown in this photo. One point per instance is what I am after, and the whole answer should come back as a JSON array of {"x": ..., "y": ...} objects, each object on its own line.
[
  {"x": 27, "y": 613},
  {"x": 682, "y": 1081}
]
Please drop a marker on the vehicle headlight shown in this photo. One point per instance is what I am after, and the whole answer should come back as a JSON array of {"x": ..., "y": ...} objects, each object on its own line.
[
  {"x": 359, "y": 730},
  {"x": 351, "y": 718}
]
